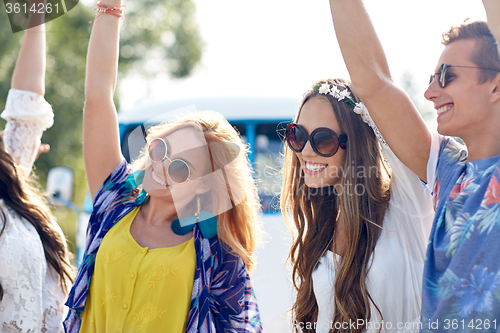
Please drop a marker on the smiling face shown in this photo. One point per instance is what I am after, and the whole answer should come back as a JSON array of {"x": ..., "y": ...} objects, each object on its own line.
[
  {"x": 463, "y": 105},
  {"x": 185, "y": 144},
  {"x": 320, "y": 171}
]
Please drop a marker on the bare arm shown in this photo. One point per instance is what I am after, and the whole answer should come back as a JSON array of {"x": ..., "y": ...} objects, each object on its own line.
[
  {"x": 389, "y": 106},
  {"x": 101, "y": 142},
  {"x": 492, "y": 8},
  {"x": 26, "y": 111},
  {"x": 29, "y": 73}
]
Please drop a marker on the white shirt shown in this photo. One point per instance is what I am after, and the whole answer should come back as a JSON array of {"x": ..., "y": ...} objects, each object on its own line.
[
  {"x": 394, "y": 280},
  {"x": 33, "y": 299}
]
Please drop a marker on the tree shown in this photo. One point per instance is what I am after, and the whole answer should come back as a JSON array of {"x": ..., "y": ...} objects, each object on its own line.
[{"x": 163, "y": 30}]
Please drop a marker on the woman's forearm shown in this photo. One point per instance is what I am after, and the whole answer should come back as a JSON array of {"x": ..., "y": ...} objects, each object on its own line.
[
  {"x": 29, "y": 73},
  {"x": 102, "y": 57}
]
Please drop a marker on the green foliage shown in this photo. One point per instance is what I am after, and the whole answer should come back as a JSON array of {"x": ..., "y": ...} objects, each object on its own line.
[{"x": 159, "y": 36}]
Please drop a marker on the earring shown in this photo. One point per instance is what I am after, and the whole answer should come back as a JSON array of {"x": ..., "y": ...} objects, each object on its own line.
[
  {"x": 134, "y": 179},
  {"x": 207, "y": 222}
]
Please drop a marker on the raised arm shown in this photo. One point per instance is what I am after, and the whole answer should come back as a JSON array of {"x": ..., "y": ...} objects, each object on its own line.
[
  {"x": 26, "y": 111},
  {"x": 29, "y": 73},
  {"x": 101, "y": 142},
  {"x": 492, "y": 8},
  {"x": 391, "y": 109}
]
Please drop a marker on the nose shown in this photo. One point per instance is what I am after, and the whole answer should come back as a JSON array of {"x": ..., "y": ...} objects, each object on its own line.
[
  {"x": 433, "y": 91},
  {"x": 308, "y": 150}
]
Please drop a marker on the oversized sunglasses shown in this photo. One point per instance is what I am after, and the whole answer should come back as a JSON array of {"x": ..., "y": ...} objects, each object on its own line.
[
  {"x": 443, "y": 77},
  {"x": 324, "y": 141},
  {"x": 178, "y": 170}
]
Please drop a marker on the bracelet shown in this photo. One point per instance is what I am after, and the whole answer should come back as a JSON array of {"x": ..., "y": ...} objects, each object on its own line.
[{"x": 112, "y": 10}]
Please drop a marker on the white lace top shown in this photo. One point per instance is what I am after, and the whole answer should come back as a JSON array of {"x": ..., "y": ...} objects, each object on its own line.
[
  {"x": 33, "y": 300},
  {"x": 395, "y": 278}
]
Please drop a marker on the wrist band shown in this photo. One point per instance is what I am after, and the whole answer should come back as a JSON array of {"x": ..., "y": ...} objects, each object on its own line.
[{"x": 112, "y": 10}]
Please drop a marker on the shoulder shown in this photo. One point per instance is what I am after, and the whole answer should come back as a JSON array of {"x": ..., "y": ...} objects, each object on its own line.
[
  {"x": 450, "y": 150},
  {"x": 118, "y": 188}
]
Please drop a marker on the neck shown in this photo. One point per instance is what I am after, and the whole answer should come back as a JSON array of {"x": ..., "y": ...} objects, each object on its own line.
[
  {"x": 158, "y": 212},
  {"x": 483, "y": 145}
]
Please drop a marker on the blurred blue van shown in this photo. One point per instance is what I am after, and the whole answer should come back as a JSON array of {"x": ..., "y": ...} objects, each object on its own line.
[{"x": 261, "y": 122}]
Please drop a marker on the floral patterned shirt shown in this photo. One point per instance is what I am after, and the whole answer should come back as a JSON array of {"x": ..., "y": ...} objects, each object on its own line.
[{"x": 461, "y": 288}]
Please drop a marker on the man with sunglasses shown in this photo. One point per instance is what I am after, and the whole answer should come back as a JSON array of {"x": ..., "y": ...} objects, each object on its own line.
[{"x": 461, "y": 283}]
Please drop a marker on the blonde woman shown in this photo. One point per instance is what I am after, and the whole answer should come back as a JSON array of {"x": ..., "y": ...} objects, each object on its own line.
[
  {"x": 362, "y": 220},
  {"x": 171, "y": 237}
]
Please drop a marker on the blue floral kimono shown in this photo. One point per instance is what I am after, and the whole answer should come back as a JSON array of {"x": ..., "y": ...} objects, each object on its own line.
[{"x": 222, "y": 300}]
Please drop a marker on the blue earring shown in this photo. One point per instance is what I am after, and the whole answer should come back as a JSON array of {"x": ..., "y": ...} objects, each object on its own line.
[
  {"x": 134, "y": 179},
  {"x": 207, "y": 222}
]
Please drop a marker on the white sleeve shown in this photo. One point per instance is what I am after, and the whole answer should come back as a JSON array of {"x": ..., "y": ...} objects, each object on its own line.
[
  {"x": 436, "y": 140},
  {"x": 27, "y": 115}
]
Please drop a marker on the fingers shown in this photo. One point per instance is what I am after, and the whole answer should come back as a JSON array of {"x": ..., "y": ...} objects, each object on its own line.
[{"x": 44, "y": 148}]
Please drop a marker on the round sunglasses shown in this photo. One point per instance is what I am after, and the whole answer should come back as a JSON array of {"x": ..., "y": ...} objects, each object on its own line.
[
  {"x": 324, "y": 141},
  {"x": 178, "y": 170},
  {"x": 443, "y": 70}
]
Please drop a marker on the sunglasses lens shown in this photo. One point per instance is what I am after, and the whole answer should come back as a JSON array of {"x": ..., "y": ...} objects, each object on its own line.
[
  {"x": 326, "y": 143},
  {"x": 295, "y": 137},
  {"x": 431, "y": 79},
  {"x": 157, "y": 150},
  {"x": 178, "y": 171},
  {"x": 442, "y": 75}
]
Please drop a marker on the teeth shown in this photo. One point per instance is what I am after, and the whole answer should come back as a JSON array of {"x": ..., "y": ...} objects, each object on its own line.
[
  {"x": 443, "y": 109},
  {"x": 315, "y": 167},
  {"x": 158, "y": 180}
]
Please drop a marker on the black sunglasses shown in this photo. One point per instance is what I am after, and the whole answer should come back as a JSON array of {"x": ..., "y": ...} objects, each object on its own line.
[
  {"x": 324, "y": 141},
  {"x": 178, "y": 170},
  {"x": 443, "y": 78}
]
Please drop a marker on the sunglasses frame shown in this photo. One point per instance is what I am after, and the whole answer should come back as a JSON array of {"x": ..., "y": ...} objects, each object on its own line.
[
  {"x": 444, "y": 68},
  {"x": 170, "y": 161},
  {"x": 341, "y": 139}
]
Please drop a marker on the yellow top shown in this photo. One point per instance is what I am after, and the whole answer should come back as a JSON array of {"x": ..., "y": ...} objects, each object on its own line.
[{"x": 134, "y": 289}]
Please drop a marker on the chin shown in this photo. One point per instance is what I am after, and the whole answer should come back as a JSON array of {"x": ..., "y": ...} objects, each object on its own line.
[
  {"x": 446, "y": 131},
  {"x": 317, "y": 182}
]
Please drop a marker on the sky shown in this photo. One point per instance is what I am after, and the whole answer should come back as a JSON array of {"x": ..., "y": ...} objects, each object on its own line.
[{"x": 281, "y": 47}]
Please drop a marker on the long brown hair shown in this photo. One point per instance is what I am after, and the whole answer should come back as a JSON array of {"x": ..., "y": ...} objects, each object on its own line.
[
  {"x": 238, "y": 228},
  {"x": 23, "y": 196},
  {"x": 316, "y": 212}
]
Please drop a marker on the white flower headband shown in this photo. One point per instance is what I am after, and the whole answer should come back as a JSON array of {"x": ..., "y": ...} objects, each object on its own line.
[{"x": 326, "y": 89}]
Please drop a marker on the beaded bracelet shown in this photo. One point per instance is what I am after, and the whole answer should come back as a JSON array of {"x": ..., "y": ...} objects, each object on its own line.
[{"x": 113, "y": 10}]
